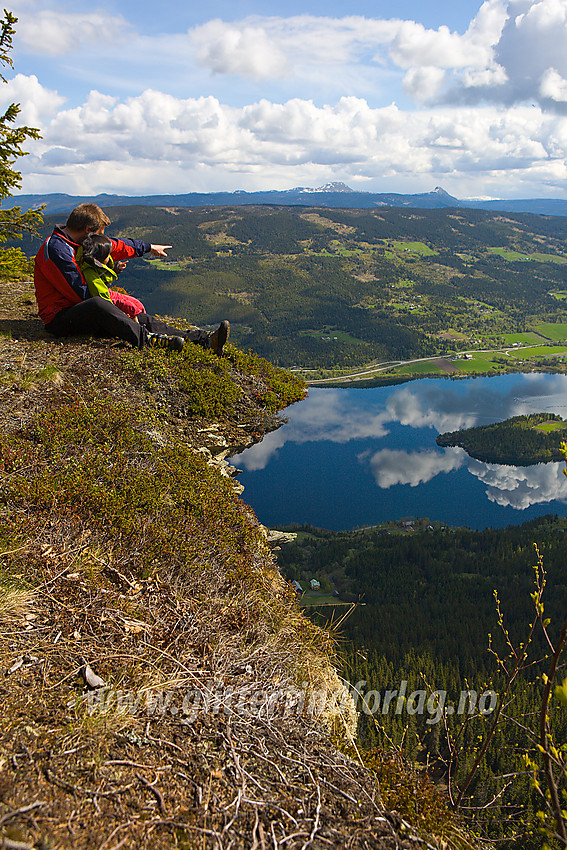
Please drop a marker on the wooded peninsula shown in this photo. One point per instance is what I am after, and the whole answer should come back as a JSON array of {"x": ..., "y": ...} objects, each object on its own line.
[{"x": 519, "y": 441}]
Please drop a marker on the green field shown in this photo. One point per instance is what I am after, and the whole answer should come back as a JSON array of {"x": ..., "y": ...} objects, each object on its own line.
[
  {"x": 419, "y": 369},
  {"x": 535, "y": 256},
  {"x": 335, "y": 336},
  {"x": 523, "y": 338},
  {"x": 551, "y": 426},
  {"x": 452, "y": 335},
  {"x": 539, "y": 351},
  {"x": 164, "y": 266},
  {"x": 315, "y": 599},
  {"x": 413, "y": 247},
  {"x": 552, "y": 330},
  {"x": 479, "y": 363}
]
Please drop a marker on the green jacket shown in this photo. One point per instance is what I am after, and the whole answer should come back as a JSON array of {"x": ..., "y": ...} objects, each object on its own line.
[{"x": 98, "y": 277}]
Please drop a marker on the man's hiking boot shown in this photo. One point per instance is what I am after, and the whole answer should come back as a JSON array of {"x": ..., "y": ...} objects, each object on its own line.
[
  {"x": 218, "y": 338},
  {"x": 171, "y": 343}
]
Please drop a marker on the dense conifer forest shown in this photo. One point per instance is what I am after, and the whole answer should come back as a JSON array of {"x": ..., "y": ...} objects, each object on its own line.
[{"x": 424, "y": 612}]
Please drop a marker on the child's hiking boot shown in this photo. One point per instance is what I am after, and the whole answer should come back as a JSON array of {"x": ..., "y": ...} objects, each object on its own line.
[
  {"x": 171, "y": 343},
  {"x": 218, "y": 338}
]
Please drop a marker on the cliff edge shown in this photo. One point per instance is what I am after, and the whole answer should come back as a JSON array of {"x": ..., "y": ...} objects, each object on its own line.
[{"x": 160, "y": 687}]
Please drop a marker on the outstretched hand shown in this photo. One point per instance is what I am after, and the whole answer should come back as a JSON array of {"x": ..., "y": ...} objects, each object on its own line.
[{"x": 159, "y": 250}]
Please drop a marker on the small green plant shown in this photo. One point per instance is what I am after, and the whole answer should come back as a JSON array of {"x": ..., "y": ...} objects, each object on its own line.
[
  {"x": 91, "y": 460},
  {"x": 409, "y": 791},
  {"x": 212, "y": 392},
  {"x": 28, "y": 377}
]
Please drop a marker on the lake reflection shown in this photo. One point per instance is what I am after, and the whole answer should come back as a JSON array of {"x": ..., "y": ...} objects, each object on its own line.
[{"x": 351, "y": 457}]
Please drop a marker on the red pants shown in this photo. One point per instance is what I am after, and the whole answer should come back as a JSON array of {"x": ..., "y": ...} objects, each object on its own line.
[{"x": 127, "y": 303}]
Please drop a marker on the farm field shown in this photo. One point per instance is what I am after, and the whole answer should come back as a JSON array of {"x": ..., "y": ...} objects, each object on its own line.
[
  {"x": 555, "y": 331},
  {"x": 536, "y": 256},
  {"x": 523, "y": 338}
]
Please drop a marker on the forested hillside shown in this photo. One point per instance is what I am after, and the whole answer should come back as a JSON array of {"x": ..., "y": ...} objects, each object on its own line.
[
  {"x": 425, "y": 610},
  {"x": 326, "y": 288}
]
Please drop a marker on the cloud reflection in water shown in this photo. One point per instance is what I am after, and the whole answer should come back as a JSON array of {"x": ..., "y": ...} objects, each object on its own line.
[
  {"x": 341, "y": 416},
  {"x": 521, "y": 486},
  {"x": 390, "y": 466}
]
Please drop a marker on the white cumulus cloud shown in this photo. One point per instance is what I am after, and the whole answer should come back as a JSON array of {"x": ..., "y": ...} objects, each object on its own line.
[
  {"x": 493, "y": 102},
  {"x": 37, "y": 104},
  {"x": 204, "y": 143},
  {"x": 553, "y": 86},
  {"x": 243, "y": 49},
  {"x": 260, "y": 47},
  {"x": 55, "y": 33},
  {"x": 512, "y": 51},
  {"x": 423, "y": 83},
  {"x": 529, "y": 61}
]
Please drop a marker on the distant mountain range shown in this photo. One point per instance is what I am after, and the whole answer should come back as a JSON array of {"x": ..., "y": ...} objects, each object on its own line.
[{"x": 330, "y": 195}]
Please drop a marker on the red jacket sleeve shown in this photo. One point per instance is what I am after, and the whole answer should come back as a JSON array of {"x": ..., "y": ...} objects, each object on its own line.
[{"x": 125, "y": 249}]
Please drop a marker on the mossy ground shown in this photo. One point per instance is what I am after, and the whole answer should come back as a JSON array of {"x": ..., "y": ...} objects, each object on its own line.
[{"x": 122, "y": 548}]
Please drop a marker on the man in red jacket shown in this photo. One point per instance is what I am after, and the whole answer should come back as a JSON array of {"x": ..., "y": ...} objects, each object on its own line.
[{"x": 67, "y": 308}]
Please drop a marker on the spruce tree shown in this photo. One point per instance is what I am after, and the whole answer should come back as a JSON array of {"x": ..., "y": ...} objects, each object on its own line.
[{"x": 14, "y": 264}]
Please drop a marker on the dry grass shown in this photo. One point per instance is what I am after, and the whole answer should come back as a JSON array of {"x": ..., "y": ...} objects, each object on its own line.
[{"x": 14, "y": 603}]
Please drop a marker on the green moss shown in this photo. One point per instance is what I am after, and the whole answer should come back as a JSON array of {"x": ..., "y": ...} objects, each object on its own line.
[
  {"x": 212, "y": 384},
  {"x": 211, "y": 395},
  {"x": 283, "y": 388}
]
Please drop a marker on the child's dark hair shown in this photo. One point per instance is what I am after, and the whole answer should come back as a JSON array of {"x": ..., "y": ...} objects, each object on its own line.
[{"x": 96, "y": 246}]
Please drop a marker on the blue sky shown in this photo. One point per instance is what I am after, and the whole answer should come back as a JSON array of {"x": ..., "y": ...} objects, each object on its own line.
[{"x": 147, "y": 98}]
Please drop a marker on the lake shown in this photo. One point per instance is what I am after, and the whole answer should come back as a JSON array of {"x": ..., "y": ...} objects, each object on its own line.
[{"x": 356, "y": 457}]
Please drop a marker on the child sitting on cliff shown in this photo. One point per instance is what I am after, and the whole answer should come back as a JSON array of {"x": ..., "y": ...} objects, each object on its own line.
[{"x": 101, "y": 272}]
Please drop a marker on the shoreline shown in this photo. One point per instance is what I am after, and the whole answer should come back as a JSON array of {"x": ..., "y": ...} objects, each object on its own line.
[{"x": 496, "y": 361}]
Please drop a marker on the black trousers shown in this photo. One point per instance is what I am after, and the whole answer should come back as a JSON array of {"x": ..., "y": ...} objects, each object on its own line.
[{"x": 99, "y": 317}]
